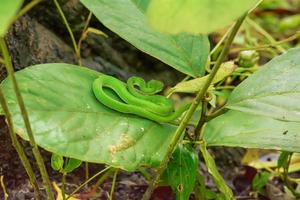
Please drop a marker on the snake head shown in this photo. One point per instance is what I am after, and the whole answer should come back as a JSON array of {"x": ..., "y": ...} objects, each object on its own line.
[{"x": 150, "y": 88}]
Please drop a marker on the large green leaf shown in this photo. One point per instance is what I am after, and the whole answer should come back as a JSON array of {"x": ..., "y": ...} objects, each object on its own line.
[
  {"x": 238, "y": 129},
  {"x": 8, "y": 9},
  {"x": 181, "y": 172},
  {"x": 186, "y": 53},
  {"x": 195, "y": 16},
  {"x": 67, "y": 119},
  {"x": 272, "y": 91}
]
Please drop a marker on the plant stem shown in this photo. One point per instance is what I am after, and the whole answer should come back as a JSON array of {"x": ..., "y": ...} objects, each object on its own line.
[
  {"x": 3, "y": 188},
  {"x": 1, "y": 61},
  {"x": 201, "y": 121},
  {"x": 86, "y": 171},
  {"x": 27, "y": 8},
  {"x": 275, "y": 44},
  {"x": 216, "y": 114},
  {"x": 16, "y": 144},
  {"x": 263, "y": 32},
  {"x": 83, "y": 35},
  {"x": 67, "y": 25},
  {"x": 63, "y": 185},
  {"x": 87, "y": 181},
  {"x": 113, "y": 185},
  {"x": 35, "y": 150},
  {"x": 201, "y": 94},
  {"x": 103, "y": 178}
]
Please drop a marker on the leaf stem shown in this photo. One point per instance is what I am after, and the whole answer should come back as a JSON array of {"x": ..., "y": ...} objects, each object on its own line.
[
  {"x": 67, "y": 25},
  {"x": 201, "y": 94},
  {"x": 24, "y": 113}
]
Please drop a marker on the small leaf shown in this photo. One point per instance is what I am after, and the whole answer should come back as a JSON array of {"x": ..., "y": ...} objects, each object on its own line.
[
  {"x": 67, "y": 119},
  {"x": 195, "y": 16},
  {"x": 238, "y": 129},
  {"x": 8, "y": 10},
  {"x": 212, "y": 169},
  {"x": 196, "y": 84},
  {"x": 181, "y": 172},
  {"x": 57, "y": 162},
  {"x": 260, "y": 180},
  {"x": 185, "y": 52},
  {"x": 272, "y": 91},
  {"x": 71, "y": 165},
  {"x": 283, "y": 159}
]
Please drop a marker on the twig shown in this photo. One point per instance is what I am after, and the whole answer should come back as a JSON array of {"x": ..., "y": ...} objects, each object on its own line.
[
  {"x": 24, "y": 113},
  {"x": 180, "y": 130}
]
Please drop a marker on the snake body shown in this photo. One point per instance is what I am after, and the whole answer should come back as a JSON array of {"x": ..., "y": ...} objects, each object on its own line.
[{"x": 136, "y": 97}]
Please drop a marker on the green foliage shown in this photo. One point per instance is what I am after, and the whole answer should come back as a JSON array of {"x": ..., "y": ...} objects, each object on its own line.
[
  {"x": 260, "y": 180},
  {"x": 238, "y": 129},
  {"x": 182, "y": 172},
  {"x": 283, "y": 159},
  {"x": 184, "y": 52},
  {"x": 8, "y": 9},
  {"x": 57, "y": 162},
  {"x": 272, "y": 91},
  {"x": 71, "y": 165},
  {"x": 194, "y": 85},
  {"x": 68, "y": 120},
  {"x": 195, "y": 16}
]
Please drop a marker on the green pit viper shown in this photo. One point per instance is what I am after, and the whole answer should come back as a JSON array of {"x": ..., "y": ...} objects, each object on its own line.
[{"x": 136, "y": 97}]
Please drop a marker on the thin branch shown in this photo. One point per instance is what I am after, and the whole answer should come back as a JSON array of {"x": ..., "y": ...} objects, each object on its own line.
[{"x": 180, "y": 130}]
